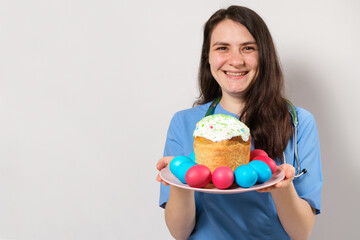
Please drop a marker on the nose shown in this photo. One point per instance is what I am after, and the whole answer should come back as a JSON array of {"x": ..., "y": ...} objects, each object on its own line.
[{"x": 236, "y": 59}]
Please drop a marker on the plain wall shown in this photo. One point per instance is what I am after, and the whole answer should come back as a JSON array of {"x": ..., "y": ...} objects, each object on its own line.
[{"x": 87, "y": 90}]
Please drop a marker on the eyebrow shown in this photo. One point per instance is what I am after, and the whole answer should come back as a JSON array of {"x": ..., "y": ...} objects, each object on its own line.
[{"x": 227, "y": 44}]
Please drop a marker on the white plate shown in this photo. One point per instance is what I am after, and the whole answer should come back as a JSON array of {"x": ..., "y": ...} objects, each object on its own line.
[{"x": 168, "y": 177}]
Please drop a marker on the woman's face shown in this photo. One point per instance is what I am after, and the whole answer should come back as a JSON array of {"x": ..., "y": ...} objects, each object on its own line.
[{"x": 233, "y": 57}]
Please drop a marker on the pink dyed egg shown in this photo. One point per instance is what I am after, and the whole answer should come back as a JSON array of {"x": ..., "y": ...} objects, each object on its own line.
[
  {"x": 257, "y": 152},
  {"x": 271, "y": 163},
  {"x": 223, "y": 177},
  {"x": 198, "y": 176}
]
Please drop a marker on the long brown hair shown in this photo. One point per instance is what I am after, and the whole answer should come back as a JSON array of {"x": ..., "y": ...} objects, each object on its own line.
[{"x": 265, "y": 111}]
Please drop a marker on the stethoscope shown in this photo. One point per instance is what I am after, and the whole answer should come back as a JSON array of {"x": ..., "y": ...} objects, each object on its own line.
[{"x": 295, "y": 122}]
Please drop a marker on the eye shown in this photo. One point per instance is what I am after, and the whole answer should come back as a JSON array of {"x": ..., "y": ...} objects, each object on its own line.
[
  {"x": 248, "y": 49},
  {"x": 222, "y": 48}
]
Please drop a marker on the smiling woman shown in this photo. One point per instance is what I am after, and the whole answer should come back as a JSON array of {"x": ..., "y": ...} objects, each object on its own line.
[
  {"x": 258, "y": 98},
  {"x": 233, "y": 58},
  {"x": 240, "y": 70}
]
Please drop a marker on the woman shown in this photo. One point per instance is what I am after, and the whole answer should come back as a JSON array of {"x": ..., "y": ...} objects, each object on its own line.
[{"x": 240, "y": 65}]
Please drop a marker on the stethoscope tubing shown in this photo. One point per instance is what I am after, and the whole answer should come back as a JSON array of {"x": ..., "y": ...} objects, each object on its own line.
[{"x": 299, "y": 172}]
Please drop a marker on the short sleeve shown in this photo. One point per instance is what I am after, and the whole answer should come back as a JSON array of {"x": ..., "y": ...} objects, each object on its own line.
[
  {"x": 173, "y": 147},
  {"x": 309, "y": 185}
]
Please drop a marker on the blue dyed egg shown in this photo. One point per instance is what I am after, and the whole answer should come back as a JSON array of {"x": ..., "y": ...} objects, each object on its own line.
[
  {"x": 192, "y": 156},
  {"x": 182, "y": 170},
  {"x": 245, "y": 176},
  {"x": 175, "y": 163},
  {"x": 262, "y": 169}
]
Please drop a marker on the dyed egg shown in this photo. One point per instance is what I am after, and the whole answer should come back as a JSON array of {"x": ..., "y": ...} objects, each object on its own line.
[
  {"x": 223, "y": 177},
  {"x": 257, "y": 152},
  {"x": 192, "y": 156},
  {"x": 175, "y": 163},
  {"x": 198, "y": 176},
  {"x": 271, "y": 163},
  {"x": 245, "y": 176},
  {"x": 262, "y": 169},
  {"x": 182, "y": 169}
]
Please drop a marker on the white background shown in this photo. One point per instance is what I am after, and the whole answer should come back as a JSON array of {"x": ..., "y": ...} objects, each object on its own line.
[{"x": 87, "y": 90}]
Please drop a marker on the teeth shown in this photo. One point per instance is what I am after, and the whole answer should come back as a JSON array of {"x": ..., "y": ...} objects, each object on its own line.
[{"x": 236, "y": 74}]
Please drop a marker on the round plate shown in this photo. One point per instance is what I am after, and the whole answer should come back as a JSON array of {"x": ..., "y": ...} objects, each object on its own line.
[{"x": 168, "y": 177}]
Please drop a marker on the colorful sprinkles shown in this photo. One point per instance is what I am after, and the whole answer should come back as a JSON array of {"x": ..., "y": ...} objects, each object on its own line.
[{"x": 219, "y": 127}]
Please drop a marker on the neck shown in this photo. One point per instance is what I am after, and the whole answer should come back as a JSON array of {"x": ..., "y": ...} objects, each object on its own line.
[{"x": 232, "y": 104}]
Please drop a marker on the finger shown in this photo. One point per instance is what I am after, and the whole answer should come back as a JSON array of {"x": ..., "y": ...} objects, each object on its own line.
[
  {"x": 268, "y": 189},
  {"x": 158, "y": 178},
  {"x": 160, "y": 165},
  {"x": 291, "y": 170},
  {"x": 290, "y": 175},
  {"x": 163, "y": 162},
  {"x": 168, "y": 159}
]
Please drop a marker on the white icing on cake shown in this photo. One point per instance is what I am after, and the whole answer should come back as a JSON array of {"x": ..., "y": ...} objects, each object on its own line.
[{"x": 220, "y": 127}]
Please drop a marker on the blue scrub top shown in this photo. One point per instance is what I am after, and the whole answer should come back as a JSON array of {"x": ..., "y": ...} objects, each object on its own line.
[{"x": 249, "y": 215}]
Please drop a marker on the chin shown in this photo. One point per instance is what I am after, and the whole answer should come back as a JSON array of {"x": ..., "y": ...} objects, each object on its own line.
[{"x": 236, "y": 91}]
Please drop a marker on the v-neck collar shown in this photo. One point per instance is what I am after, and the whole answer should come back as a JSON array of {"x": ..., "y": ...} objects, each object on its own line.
[{"x": 220, "y": 110}]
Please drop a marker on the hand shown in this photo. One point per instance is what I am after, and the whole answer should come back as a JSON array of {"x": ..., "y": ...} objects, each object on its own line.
[
  {"x": 162, "y": 163},
  {"x": 289, "y": 176}
]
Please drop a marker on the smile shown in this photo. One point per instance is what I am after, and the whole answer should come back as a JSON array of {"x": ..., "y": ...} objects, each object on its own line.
[{"x": 236, "y": 74}]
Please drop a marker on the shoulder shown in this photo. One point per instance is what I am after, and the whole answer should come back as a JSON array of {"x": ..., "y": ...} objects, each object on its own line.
[
  {"x": 200, "y": 109},
  {"x": 304, "y": 116},
  {"x": 182, "y": 126},
  {"x": 191, "y": 114},
  {"x": 306, "y": 122}
]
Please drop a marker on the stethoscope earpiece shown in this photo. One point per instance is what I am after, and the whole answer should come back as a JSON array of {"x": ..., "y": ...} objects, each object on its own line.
[{"x": 301, "y": 173}]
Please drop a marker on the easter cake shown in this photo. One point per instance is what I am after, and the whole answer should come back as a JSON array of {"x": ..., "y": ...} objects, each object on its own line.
[{"x": 221, "y": 140}]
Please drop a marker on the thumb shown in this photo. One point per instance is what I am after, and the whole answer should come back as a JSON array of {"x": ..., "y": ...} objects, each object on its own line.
[{"x": 163, "y": 162}]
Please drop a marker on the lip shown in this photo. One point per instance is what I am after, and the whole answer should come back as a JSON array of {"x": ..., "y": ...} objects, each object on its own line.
[{"x": 235, "y": 74}]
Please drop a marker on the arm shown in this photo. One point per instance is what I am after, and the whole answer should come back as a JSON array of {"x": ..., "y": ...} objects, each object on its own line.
[
  {"x": 296, "y": 207},
  {"x": 180, "y": 212},
  {"x": 295, "y": 214},
  {"x": 179, "y": 204},
  {"x": 180, "y": 208}
]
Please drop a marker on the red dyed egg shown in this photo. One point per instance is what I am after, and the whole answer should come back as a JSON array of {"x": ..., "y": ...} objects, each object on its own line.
[
  {"x": 223, "y": 177},
  {"x": 198, "y": 176},
  {"x": 257, "y": 152},
  {"x": 271, "y": 163}
]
